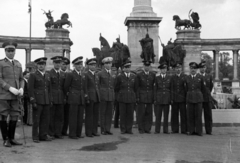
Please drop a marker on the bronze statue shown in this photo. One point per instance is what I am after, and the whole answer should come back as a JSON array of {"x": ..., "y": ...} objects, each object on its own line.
[
  {"x": 172, "y": 54},
  {"x": 119, "y": 52},
  {"x": 195, "y": 24},
  {"x": 147, "y": 49},
  {"x": 178, "y": 22},
  {"x": 59, "y": 23},
  {"x": 192, "y": 23}
]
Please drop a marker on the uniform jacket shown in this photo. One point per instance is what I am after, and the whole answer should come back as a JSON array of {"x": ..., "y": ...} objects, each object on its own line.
[
  {"x": 92, "y": 84},
  {"x": 208, "y": 82},
  {"x": 106, "y": 86},
  {"x": 75, "y": 87},
  {"x": 194, "y": 89},
  {"x": 162, "y": 89},
  {"x": 126, "y": 88},
  {"x": 25, "y": 94},
  {"x": 10, "y": 76},
  {"x": 57, "y": 84},
  {"x": 145, "y": 84},
  {"x": 178, "y": 88},
  {"x": 39, "y": 88}
]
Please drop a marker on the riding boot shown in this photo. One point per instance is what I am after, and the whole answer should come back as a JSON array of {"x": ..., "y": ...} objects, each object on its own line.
[
  {"x": 3, "y": 126},
  {"x": 11, "y": 133}
]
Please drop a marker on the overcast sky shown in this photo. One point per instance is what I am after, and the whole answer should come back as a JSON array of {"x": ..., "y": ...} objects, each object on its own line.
[{"x": 219, "y": 19}]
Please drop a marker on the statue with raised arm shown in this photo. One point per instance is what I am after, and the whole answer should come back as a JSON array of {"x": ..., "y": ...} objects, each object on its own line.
[{"x": 147, "y": 49}]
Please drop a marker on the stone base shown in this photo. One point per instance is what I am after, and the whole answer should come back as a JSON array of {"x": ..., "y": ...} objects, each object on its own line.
[
  {"x": 188, "y": 34},
  {"x": 59, "y": 33},
  {"x": 217, "y": 87}
]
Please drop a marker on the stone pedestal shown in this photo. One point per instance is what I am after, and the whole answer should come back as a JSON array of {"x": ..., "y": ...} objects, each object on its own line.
[
  {"x": 193, "y": 51},
  {"x": 235, "y": 87},
  {"x": 57, "y": 37},
  {"x": 141, "y": 19},
  {"x": 217, "y": 86}
]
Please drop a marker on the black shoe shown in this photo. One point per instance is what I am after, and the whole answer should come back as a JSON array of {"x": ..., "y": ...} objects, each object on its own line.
[
  {"x": 36, "y": 141},
  {"x": 130, "y": 132},
  {"x": 123, "y": 132},
  {"x": 109, "y": 133},
  {"x": 80, "y": 136},
  {"x": 73, "y": 137},
  {"x": 95, "y": 134},
  {"x": 200, "y": 134},
  {"x": 174, "y": 132},
  {"x": 58, "y": 137},
  {"x": 64, "y": 134},
  {"x": 209, "y": 133},
  {"x": 91, "y": 136},
  {"x": 156, "y": 132},
  {"x": 141, "y": 132},
  {"x": 148, "y": 132},
  {"x": 7, "y": 143},
  {"x": 103, "y": 133},
  {"x": 14, "y": 142},
  {"x": 166, "y": 132}
]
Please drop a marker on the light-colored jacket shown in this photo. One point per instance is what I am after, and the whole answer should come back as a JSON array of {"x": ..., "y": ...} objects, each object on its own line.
[{"x": 10, "y": 76}]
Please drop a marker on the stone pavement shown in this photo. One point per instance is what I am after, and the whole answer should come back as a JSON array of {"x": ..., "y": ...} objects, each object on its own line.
[{"x": 222, "y": 147}]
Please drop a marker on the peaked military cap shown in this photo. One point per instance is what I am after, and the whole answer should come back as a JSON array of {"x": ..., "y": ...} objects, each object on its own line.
[
  {"x": 57, "y": 58},
  {"x": 147, "y": 63},
  {"x": 41, "y": 60},
  {"x": 162, "y": 65},
  {"x": 127, "y": 63},
  {"x": 66, "y": 60},
  {"x": 107, "y": 60},
  {"x": 9, "y": 44},
  {"x": 202, "y": 64},
  {"x": 178, "y": 65},
  {"x": 91, "y": 61},
  {"x": 77, "y": 60},
  {"x": 193, "y": 65}
]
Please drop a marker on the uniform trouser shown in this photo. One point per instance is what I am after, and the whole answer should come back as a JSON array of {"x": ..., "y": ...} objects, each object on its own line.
[
  {"x": 40, "y": 122},
  {"x": 75, "y": 120},
  {"x": 116, "y": 115},
  {"x": 106, "y": 108},
  {"x": 207, "y": 116},
  {"x": 91, "y": 118},
  {"x": 126, "y": 116},
  {"x": 25, "y": 105},
  {"x": 65, "y": 119},
  {"x": 56, "y": 120},
  {"x": 159, "y": 109},
  {"x": 176, "y": 108},
  {"x": 145, "y": 117},
  {"x": 194, "y": 118}
]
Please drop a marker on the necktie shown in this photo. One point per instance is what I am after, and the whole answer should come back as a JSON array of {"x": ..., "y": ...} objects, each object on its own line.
[{"x": 58, "y": 74}]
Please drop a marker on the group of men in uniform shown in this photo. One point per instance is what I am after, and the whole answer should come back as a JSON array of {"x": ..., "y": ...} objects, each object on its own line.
[{"x": 60, "y": 98}]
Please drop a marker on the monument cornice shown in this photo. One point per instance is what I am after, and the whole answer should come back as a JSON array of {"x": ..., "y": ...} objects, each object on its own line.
[{"x": 129, "y": 20}]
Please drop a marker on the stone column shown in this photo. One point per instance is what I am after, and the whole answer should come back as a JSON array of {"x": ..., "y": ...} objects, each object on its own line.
[
  {"x": 141, "y": 19},
  {"x": 28, "y": 55},
  {"x": 216, "y": 56},
  {"x": 67, "y": 55},
  {"x": 235, "y": 64}
]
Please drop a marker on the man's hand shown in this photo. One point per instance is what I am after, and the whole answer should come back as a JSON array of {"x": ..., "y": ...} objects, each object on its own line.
[
  {"x": 21, "y": 92},
  {"x": 14, "y": 91},
  {"x": 34, "y": 105}
]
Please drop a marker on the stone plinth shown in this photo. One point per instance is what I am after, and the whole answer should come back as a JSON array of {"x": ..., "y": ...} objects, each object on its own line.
[
  {"x": 58, "y": 44},
  {"x": 235, "y": 87},
  {"x": 191, "y": 42},
  {"x": 137, "y": 29}
]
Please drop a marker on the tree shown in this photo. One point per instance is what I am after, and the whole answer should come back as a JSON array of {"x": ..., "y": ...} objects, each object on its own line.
[
  {"x": 224, "y": 67},
  {"x": 209, "y": 62}
]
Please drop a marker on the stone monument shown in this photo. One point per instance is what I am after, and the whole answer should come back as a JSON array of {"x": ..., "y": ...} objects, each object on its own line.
[{"x": 141, "y": 21}]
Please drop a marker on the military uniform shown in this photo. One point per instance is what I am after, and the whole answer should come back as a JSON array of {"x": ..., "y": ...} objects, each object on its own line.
[
  {"x": 92, "y": 109},
  {"x": 194, "y": 99},
  {"x": 178, "y": 89},
  {"x": 57, "y": 109},
  {"x": 75, "y": 87},
  {"x": 207, "y": 107},
  {"x": 106, "y": 86},
  {"x": 11, "y": 78},
  {"x": 40, "y": 95},
  {"x": 145, "y": 84},
  {"x": 162, "y": 98},
  {"x": 126, "y": 91}
]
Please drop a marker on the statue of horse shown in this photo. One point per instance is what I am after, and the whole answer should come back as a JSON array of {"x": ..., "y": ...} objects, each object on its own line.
[
  {"x": 178, "y": 22},
  {"x": 99, "y": 56},
  {"x": 63, "y": 21}
]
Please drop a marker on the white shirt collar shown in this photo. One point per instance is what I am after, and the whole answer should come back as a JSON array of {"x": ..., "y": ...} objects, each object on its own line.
[
  {"x": 57, "y": 70},
  {"x": 127, "y": 74},
  {"x": 203, "y": 74},
  {"x": 193, "y": 75},
  {"x": 92, "y": 72},
  {"x": 146, "y": 72},
  {"x": 41, "y": 72},
  {"x": 78, "y": 72},
  {"x": 108, "y": 71},
  {"x": 11, "y": 60}
]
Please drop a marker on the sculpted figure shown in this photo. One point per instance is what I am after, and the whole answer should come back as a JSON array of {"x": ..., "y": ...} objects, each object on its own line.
[{"x": 147, "y": 49}]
